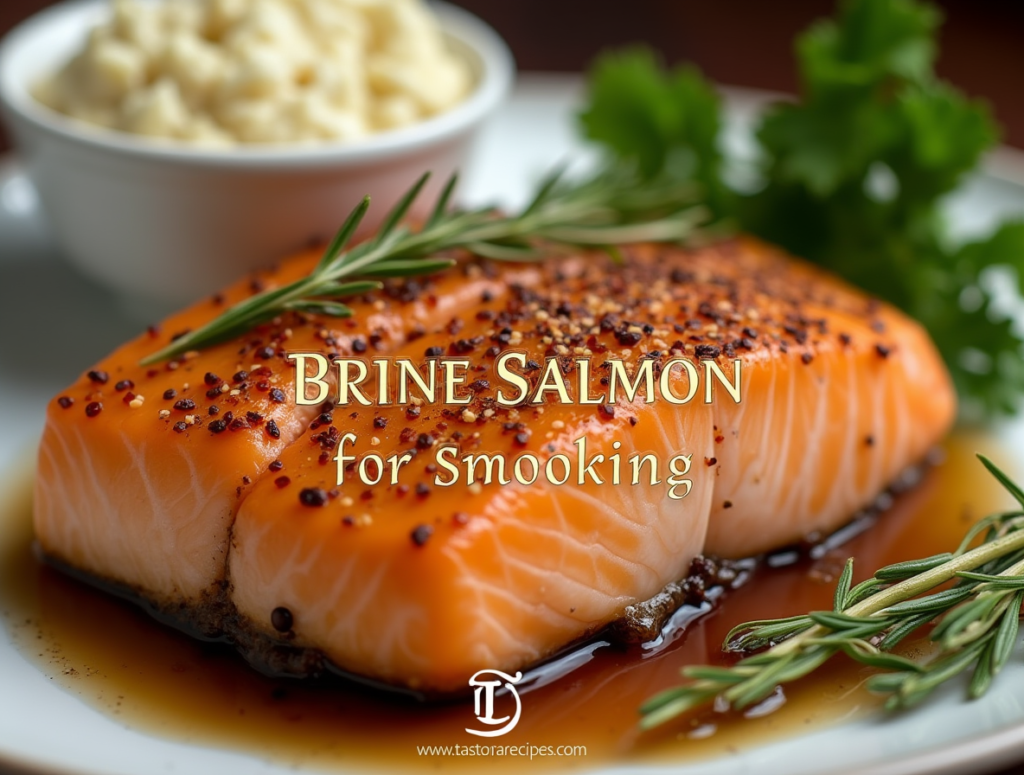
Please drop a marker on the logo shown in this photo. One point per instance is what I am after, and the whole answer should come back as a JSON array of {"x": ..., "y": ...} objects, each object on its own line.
[{"x": 483, "y": 701}]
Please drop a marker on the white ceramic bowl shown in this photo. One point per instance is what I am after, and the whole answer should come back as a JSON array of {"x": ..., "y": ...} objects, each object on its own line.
[{"x": 167, "y": 223}]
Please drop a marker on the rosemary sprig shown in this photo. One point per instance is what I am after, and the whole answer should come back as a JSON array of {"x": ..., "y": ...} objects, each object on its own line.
[
  {"x": 613, "y": 208},
  {"x": 977, "y": 626}
]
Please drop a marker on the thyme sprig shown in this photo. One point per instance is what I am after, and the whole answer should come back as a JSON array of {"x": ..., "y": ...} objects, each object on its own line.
[
  {"x": 613, "y": 208},
  {"x": 976, "y": 626}
]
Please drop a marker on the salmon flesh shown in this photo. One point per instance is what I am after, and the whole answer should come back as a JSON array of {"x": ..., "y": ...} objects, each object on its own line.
[{"x": 202, "y": 486}]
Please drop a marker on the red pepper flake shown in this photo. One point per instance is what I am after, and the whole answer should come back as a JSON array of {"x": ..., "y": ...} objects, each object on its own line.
[
  {"x": 93, "y": 409},
  {"x": 277, "y": 465},
  {"x": 65, "y": 402},
  {"x": 380, "y": 422},
  {"x": 124, "y": 384},
  {"x": 128, "y": 397},
  {"x": 100, "y": 377},
  {"x": 606, "y": 411},
  {"x": 314, "y": 497},
  {"x": 282, "y": 620},
  {"x": 217, "y": 426},
  {"x": 272, "y": 429},
  {"x": 239, "y": 424},
  {"x": 254, "y": 417},
  {"x": 707, "y": 351},
  {"x": 277, "y": 396},
  {"x": 710, "y": 461},
  {"x": 282, "y": 482},
  {"x": 179, "y": 427},
  {"x": 421, "y": 534}
]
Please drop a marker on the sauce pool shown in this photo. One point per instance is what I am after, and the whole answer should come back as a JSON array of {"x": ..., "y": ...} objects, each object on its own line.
[{"x": 160, "y": 682}]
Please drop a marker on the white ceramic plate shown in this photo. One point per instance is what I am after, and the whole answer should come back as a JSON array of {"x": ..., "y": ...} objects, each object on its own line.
[{"x": 45, "y": 729}]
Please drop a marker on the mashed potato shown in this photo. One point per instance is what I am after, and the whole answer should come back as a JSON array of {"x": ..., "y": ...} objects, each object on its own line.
[{"x": 222, "y": 72}]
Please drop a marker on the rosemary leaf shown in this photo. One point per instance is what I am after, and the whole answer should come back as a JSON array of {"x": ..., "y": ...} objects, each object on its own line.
[
  {"x": 843, "y": 587},
  {"x": 1010, "y": 485},
  {"x": 904, "y": 570},
  {"x": 345, "y": 233}
]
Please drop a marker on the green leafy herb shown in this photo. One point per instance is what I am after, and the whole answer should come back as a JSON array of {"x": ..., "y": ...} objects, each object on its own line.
[
  {"x": 977, "y": 626},
  {"x": 615, "y": 207},
  {"x": 852, "y": 176},
  {"x": 664, "y": 122}
]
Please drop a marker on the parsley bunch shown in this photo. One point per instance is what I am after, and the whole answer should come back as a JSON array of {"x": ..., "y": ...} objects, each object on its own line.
[{"x": 851, "y": 176}]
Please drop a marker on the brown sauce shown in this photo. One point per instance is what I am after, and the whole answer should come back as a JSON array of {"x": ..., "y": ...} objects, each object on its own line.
[{"x": 160, "y": 682}]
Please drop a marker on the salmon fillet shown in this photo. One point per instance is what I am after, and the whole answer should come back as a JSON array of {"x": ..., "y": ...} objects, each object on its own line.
[{"x": 247, "y": 534}]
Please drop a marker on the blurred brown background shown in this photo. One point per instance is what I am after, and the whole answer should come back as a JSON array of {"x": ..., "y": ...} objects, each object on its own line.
[{"x": 739, "y": 42}]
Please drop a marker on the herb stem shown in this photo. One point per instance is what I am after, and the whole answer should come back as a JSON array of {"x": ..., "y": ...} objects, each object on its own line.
[
  {"x": 976, "y": 626},
  {"x": 614, "y": 208},
  {"x": 914, "y": 586}
]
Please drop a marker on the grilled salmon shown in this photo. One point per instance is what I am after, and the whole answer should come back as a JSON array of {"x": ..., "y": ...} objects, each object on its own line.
[{"x": 201, "y": 485}]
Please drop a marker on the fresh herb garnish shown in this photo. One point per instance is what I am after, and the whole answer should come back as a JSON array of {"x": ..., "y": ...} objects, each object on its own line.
[
  {"x": 977, "y": 623},
  {"x": 615, "y": 207},
  {"x": 851, "y": 176}
]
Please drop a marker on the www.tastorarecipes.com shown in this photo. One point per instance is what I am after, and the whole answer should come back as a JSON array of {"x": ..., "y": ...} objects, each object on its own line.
[{"x": 525, "y": 750}]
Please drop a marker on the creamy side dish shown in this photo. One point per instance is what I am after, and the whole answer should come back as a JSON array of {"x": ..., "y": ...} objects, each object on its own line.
[{"x": 222, "y": 72}]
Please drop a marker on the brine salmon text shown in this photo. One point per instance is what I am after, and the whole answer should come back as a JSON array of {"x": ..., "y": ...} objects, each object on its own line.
[{"x": 519, "y": 380}]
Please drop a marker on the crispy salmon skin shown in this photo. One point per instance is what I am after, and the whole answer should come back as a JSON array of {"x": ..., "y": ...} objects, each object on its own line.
[{"x": 219, "y": 493}]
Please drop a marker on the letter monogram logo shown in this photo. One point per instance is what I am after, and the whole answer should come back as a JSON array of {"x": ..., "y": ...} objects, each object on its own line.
[{"x": 483, "y": 701}]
